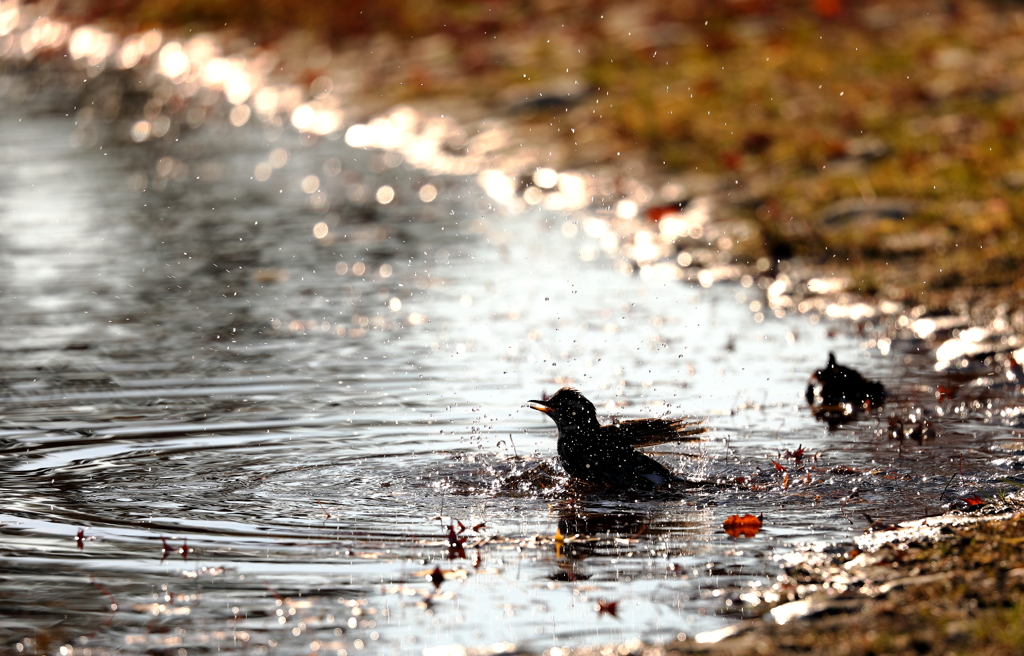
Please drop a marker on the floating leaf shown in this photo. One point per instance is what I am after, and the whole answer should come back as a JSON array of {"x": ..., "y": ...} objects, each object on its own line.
[
  {"x": 607, "y": 607},
  {"x": 455, "y": 548},
  {"x": 745, "y": 526},
  {"x": 436, "y": 577},
  {"x": 453, "y": 538}
]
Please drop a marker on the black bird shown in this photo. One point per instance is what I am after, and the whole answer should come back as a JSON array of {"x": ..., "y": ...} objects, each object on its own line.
[
  {"x": 607, "y": 455},
  {"x": 839, "y": 389}
]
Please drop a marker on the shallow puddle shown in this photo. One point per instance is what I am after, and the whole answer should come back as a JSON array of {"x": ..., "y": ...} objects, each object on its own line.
[{"x": 232, "y": 422}]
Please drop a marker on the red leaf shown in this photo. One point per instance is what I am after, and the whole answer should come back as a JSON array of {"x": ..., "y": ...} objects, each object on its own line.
[
  {"x": 658, "y": 213},
  {"x": 778, "y": 466},
  {"x": 974, "y": 500},
  {"x": 745, "y": 526},
  {"x": 610, "y": 607},
  {"x": 797, "y": 455},
  {"x": 455, "y": 548},
  {"x": 828, "y": 8},
  {"x": 453, "y": 538}
]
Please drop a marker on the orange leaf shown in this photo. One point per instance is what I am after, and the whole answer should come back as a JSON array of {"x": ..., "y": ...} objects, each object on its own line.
[
  {"x": 828, "y": 8},
  {"x": 797, "y": 455},
  {"x": 745, "y": 526},
  {"x": 973, "y": 500}
]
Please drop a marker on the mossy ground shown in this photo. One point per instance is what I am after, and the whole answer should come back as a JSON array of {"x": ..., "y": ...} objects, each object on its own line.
[
  {"x": 799, "y": 107},
  {"x": 960, "y": 594}
]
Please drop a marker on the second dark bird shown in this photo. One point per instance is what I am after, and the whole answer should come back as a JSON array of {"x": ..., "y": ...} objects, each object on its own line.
[
  {"x": 607, "y": 455},
  {"x": 836, "y": 393}
]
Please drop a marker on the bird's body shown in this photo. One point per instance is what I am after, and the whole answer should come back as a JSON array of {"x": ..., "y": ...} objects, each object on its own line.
[
  {"x": 838, "y": 394},
  {"x": 836, "y": 385},
  {"x": 607, "y": 455}
]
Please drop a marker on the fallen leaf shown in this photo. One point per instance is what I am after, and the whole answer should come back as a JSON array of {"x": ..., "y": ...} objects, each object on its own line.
[
  {"x": 973, "y": 500},
  {"x": 455, "y": 548},
  {"x": 437, "y": 577},
  {"x": 609, "y": 607},
  {"x": 745, "y": 526}
]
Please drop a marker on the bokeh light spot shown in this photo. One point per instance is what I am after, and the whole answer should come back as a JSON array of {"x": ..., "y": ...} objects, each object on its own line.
[
  {"x": 545, "y": 178},
  {"x": 239, "y": 115},
  {"x": 278, "y": 157},
  {"x": 385, "y": 194},
  {"x": 173, "y": 62},
  {"x": 428, "y": 193},
  {"x": 626, "y": 209},
  {"x": 310, "y": 183},
  {"x": 263, "y": 171},
  {"x": 141, "y": 131}
]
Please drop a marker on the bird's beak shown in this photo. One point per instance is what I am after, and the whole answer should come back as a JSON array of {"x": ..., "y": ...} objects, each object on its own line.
[{"x": 540, "y": 405}]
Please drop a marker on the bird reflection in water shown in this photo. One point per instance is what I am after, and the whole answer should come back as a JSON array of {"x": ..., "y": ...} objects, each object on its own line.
[{"x": 585, "y": 532}]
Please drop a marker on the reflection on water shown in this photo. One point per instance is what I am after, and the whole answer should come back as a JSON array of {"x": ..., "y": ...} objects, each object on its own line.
[{"x": 234, "y": 420}]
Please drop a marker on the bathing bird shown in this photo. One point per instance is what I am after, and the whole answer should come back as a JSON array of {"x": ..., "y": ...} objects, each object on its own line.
[{"x": 607, "y": 455}]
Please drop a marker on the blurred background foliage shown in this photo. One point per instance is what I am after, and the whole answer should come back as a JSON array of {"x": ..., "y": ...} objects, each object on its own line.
[{"x": 881, "y": 137}]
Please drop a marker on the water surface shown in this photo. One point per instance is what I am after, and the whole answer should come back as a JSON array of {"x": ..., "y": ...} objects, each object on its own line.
[{"x": 231, "y": 420}]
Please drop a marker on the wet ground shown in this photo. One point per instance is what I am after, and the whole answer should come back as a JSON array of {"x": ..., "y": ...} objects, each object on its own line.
[{"x": 238, "y": 416}]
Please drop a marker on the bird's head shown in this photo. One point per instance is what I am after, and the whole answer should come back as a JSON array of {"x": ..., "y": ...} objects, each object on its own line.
[{"x": 568, "y": 408}]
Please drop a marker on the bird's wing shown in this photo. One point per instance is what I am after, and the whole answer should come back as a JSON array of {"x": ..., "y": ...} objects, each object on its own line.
[
  {"x": 645, "y": 432},
  {"x": 623, "y": 467}
]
